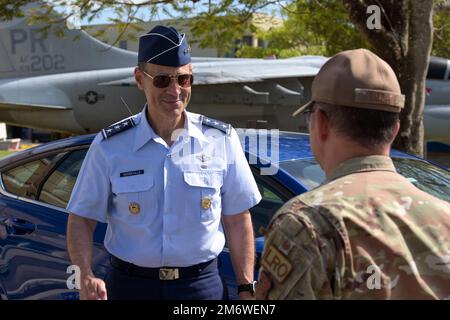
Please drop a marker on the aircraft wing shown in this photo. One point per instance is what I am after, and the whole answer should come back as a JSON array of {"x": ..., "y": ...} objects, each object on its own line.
[
  {"x": 32, "y": 94},
  {"x": 436, "y": 120},
  {"x": 199, "y": 78},
  {"x": 245, "y": 71},
  {"x": 13, "y": 106}
]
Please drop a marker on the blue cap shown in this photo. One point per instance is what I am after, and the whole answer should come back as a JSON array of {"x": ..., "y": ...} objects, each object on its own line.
[{"x": 164, "y": 46}]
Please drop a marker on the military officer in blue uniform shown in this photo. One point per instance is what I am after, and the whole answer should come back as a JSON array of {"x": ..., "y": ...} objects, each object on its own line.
[{"x": 171, "y": 185}]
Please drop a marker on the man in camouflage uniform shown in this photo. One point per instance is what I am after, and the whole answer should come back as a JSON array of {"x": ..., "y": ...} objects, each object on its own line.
[{"x": 367, "y": 233}]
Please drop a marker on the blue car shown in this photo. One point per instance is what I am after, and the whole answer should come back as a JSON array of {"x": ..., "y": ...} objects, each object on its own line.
[{"x": 36, "y": 184}]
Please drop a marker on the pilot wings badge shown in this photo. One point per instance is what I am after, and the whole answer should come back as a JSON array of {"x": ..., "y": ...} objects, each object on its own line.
[{"x": 203, "y": 157}]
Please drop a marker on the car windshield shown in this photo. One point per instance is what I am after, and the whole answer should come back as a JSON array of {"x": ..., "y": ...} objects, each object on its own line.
[{"x": 423, "y": 175}]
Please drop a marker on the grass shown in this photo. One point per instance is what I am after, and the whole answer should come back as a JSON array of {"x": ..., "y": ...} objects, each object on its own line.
[
  {"x": 23, "y": 146},
  {"x": 4, "y": 153}
]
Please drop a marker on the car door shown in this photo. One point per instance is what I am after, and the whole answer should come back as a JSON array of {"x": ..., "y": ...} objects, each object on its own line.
[
  {"x": 274, "y": 195},
  {"x": 33, "y": 219}
]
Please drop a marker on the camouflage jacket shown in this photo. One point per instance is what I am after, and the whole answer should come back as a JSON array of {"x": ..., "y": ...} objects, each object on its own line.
[{"x": 367, "y": 233}]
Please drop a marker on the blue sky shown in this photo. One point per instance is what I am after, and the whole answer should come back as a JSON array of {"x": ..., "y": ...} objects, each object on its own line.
[{"x": 145, "y": 14}]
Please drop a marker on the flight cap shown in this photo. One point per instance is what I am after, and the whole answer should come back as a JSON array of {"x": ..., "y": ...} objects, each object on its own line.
[{"x": 164, "y": 46}]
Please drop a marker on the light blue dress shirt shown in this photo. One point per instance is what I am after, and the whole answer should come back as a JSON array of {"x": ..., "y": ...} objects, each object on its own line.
[{"x": 163, "y": 204}]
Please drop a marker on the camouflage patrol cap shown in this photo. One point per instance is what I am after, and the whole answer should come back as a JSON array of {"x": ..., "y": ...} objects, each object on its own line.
[{"x": 357, "y": 78}]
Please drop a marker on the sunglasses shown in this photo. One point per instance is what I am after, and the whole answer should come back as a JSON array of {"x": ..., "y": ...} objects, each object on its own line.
[
  {"x": 161, "y": 81},
  {"x": 307, "y": 113}
]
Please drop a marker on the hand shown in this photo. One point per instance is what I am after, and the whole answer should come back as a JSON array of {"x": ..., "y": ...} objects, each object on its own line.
[
  {"x": 93, "y": 288},
  {"x": 245, "y": 295},
  {"x": 263, "y": 286}
]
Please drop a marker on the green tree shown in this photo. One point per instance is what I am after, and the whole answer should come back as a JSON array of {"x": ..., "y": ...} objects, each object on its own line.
[
  {"x": 324, "y": 27},
  {"x": 403, "y": 40},
  {"x": 319, "y": 28},
  {"x": 441, "y": 36},
  {"x": 311, "y": 28},
  {"x": 402, "y": 36}
]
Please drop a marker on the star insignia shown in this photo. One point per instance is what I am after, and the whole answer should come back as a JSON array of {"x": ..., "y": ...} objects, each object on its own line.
[{"x": 216, "y": 124}]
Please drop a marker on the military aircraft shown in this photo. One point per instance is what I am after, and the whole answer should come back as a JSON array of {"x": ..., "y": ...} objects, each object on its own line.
[
  {"x": 77, "y": 84},
  {"x": 437, "y": 103}
]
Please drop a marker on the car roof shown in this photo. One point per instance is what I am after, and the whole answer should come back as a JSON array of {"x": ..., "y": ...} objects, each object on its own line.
[
  {"x": 65, "y": 143},
  {"x": 296, "y": 146},
  {"x": 291, "y": 146}
]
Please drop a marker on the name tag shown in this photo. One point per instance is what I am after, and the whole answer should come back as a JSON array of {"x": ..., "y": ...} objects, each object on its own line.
[{"x": 131, "y": 173}]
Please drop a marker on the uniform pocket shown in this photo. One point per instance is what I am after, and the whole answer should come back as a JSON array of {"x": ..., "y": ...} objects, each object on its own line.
[
  {"x": 131, "y": 184},
  {"x": 133, "y": 198},
  {"x": 205, "y": 193}
]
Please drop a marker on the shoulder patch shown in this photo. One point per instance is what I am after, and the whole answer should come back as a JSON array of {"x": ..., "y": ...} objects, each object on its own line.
[
  {"x": 276, "y": 264},
  {"x": 118, "y": 127},
  {"x": 216, "y": 124}
]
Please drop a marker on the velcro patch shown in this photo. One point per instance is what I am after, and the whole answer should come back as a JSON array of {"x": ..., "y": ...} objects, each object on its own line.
[
  {"x": 287, "y": 246},
  {"x": 276, "y": 264}
]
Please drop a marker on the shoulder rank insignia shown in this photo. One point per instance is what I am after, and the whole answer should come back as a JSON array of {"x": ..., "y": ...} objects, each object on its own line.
[
  {"x": 118, "y": 127},
  {"x": 216, "y": 124}
]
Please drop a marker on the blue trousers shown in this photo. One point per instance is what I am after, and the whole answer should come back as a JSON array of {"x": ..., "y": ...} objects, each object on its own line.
[{"x": 121, "y": 285}]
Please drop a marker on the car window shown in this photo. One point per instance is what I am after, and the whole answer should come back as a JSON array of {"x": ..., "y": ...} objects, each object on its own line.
[
  {"x": 24, "y": 180},
  {"x": 272, "y": 200},
  {"x": 307, "y": 171},
  {"x": 58, "y": 187},
  {"x": 425, "y": 176}
]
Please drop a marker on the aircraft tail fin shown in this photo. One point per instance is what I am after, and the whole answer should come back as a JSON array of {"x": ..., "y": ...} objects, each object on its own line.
[{"x": 25, "y": 52}]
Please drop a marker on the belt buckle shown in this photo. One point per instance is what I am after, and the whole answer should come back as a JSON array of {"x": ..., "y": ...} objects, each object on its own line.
[{"x": 169, "y": 274}]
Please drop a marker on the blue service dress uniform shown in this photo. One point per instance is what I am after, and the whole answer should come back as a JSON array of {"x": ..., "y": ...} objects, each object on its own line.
[{"x": 163, "y": 204}]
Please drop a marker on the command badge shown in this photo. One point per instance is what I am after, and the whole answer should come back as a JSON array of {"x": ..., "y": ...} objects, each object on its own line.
[
  {"x": 206, "y": 203},
  {"x": 134, "y": 208}
]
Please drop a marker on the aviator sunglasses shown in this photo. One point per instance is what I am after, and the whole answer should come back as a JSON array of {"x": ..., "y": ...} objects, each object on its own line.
[
  {"x": 184, "y": 80},
  {"x": 308, "y": 112}
]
